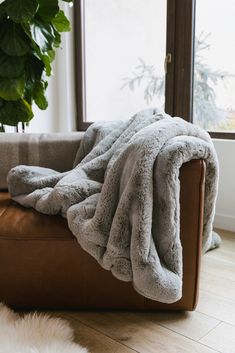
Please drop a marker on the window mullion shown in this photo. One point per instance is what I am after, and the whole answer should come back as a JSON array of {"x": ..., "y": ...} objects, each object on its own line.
[
  {"x": 170, "y": 49},
  {"x": 183, "y": 58}
]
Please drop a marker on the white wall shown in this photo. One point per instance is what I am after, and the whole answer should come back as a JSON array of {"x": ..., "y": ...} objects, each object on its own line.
[
  {"x": 60, "y": 114},
  {"x": 225, "y": 207}
]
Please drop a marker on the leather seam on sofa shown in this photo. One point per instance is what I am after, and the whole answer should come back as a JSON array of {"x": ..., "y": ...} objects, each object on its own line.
[
  {"x": 6, "y": 208},
  {"x": 199, "y": 238}
]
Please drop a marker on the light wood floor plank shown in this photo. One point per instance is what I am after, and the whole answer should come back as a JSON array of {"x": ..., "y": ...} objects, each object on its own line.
[
  {"x": 220, "y": 268},
  {"x": 222, "y": 338},
  {"x": 139, "y": 333},
  {"x": 193, "y": 325},
  {"x": 94, "y": 341},
  {"x": 221, "y": 254},
  {"x": 227, "y": 249},
  {"x": 218, "y": 285},
  {"x": 215, "y": 306}
]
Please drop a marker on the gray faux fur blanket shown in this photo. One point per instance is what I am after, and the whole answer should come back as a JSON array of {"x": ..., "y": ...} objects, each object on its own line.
[{"x": 128, "y": 222}]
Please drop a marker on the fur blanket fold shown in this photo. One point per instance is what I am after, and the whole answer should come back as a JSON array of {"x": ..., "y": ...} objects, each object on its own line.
[{"x": 121, "y": 199}]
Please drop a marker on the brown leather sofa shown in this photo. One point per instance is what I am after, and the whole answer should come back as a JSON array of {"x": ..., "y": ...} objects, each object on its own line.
[{"x": 42, "y": 265}]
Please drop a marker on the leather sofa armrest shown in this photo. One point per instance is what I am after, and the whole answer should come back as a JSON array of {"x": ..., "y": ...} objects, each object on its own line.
[{"x": 54, "y": 150}]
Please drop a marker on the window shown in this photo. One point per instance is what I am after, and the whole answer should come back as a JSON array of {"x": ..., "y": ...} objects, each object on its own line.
[
  {"x": 123, "y": 69},
  {"x": 214, "y": 67},
  {"x": 134, "y": 54}
]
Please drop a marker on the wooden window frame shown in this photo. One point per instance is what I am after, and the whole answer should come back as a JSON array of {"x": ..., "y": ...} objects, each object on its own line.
[
  {"x": 80, "y": 62},
  {"x": 180, "y": 72},
  {"x": 180, "y": 43}
]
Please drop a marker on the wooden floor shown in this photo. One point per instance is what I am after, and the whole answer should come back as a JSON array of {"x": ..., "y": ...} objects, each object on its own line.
[{"x": 211, "y": 328}]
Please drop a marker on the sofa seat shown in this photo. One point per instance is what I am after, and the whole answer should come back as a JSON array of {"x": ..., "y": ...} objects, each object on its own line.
[{"x": 43, "y": 266}]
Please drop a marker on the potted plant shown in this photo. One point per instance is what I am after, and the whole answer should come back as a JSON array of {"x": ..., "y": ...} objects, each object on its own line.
[{"x": 30, "y": 33}]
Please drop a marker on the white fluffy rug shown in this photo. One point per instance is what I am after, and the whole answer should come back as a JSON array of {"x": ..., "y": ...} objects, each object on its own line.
[{"x": 35, "y": 333}]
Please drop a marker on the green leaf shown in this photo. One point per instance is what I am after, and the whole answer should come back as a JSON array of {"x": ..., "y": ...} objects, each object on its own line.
[
  {"x": 21, "y": 10},
  {"x": 45, "y": 58},
  {"x": 11, "y": 66},
  {"x": 2, "y": 11},
  {"x": 11, "y": 88},
  {"x": 34, "y": 68},
  {"x": 14, "y": 112},
  {"x": 39, "y": 95},
  {"x": 47, "y": 62},
  {"x": 51, "y": 55},
  {"x": 13, "y": 40},
  {"x": 43, "y": 34},
  {"x": 28, "y": 93},
  {"x": 48, "y": 9},
  {"x": 61, "y": 23},
  {"x": 57, "y": 40}
]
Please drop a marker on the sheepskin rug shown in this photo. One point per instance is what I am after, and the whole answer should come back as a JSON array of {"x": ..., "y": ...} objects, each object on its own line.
[{"x": 35, "y": 333}]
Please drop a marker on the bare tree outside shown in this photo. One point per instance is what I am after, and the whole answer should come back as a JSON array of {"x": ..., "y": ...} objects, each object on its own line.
[{"x": 206, "y": 112}]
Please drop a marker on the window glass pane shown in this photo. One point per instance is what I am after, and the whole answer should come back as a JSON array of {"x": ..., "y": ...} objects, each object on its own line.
[
  {"x": 125, "y": 45},
  {"x": 214, "y": 78}
]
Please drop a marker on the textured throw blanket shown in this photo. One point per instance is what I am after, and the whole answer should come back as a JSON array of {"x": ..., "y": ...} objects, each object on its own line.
[{"x": 124, "y": 217}]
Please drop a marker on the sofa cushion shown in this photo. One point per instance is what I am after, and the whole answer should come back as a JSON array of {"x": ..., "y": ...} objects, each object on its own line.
[
  {"x": 54, "y": 150},
  {"x": 43, "y": 266},
  {"x": 19, "y": 222}
]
